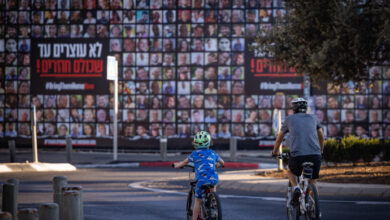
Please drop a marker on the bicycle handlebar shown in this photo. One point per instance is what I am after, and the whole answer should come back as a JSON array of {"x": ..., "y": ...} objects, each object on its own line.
[{"x": 282, "y": 156}]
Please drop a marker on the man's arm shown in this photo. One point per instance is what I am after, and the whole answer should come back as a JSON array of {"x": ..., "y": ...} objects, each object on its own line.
[
  {"x": 181, "y": 164},
  {"x": 278, "y": 142},
  {"x": 320, "y": 133}
]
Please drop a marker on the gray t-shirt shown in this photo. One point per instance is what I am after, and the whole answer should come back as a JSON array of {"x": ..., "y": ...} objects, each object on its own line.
[{"x": 303, "y": 134}]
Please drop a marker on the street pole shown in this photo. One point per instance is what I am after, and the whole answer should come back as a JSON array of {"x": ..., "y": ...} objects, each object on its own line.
[
  {"x": 280, "y": 162},
  {"x": 116, "y": 118},
  {"x": 112, "y": 74},
  {"x": 34, "y": 136}
]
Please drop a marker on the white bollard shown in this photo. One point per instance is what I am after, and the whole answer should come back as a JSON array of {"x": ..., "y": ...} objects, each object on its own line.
[
  {"x": 10, "y": 199},
  {"x": 5, "y": 216},
  {"x": 28, "y": 214},
  {"x": 78, "y": 189},
  {"x": 49, "y": 211},
  {"x": 71, "y": 209}
]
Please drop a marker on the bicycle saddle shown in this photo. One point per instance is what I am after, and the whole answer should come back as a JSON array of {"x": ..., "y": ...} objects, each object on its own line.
[
  {"x": 310, "y": 164},
  {"x": 208, "y": 186}
]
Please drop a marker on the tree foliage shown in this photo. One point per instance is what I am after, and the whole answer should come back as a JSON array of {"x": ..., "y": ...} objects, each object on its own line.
[{"x": 334, "y": 40}]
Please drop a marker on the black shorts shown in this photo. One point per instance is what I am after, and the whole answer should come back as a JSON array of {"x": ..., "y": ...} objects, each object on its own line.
[{"x": 295, "y": 164}]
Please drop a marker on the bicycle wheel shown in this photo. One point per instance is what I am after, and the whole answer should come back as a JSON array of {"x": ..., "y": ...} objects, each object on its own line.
[
  {"x": 190, "y": 201},
  {"x": 190, "y": 204},
  {"x": 214, "y": 207},
  {"x": 292, "y": 211},
  {"x": 312, "y": 199}
]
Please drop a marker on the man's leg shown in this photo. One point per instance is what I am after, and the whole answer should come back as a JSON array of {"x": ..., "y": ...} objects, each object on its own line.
[
  {"x": 195, "y": 211},
  {"x": 292, "y": 178},
  {"x": 295, "y": 188}
]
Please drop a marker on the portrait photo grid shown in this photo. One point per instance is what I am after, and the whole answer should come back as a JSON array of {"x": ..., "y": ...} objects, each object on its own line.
[{"x": 181, "y": 70}]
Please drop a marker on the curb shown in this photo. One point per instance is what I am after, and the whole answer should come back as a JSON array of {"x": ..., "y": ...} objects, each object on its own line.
[
  {"x": 44, "y": 167},
  {"x": 230, "y": 165},
  {"x": 35, "y": 167}
]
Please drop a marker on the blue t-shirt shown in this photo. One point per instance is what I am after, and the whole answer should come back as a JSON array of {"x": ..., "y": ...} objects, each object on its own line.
[{"x": 204, "y": 161}]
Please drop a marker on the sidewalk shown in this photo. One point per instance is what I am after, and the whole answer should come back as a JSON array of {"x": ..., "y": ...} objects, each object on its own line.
[{"x": 93, "y": 159}]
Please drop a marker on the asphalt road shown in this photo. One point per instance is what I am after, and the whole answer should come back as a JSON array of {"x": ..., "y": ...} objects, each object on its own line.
[{"x": 107, "y": 195}]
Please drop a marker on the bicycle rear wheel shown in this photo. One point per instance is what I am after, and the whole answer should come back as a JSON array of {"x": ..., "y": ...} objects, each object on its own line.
[
  {"x": 214, "y": 206},
  {"x": 293, "y": 212},
  {"x": 190, "y": 202},
  {"x": 190, "y": 205},
  {"x": 313, "y": 201}
]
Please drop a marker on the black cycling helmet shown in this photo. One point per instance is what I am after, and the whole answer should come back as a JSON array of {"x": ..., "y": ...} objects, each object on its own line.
[{"x": 299, "y": 105}]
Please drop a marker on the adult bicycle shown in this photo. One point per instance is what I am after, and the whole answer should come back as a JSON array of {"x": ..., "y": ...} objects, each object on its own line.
[
  {"x": 308, "y": 205},
  {"x": 210, "y": 208}
]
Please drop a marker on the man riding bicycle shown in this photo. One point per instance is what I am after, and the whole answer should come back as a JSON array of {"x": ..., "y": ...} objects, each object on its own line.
[{"x": 306, "y": 144}]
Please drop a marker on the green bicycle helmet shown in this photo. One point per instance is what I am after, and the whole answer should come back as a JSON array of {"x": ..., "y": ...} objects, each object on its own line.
[{"x": 202, "y": 140}]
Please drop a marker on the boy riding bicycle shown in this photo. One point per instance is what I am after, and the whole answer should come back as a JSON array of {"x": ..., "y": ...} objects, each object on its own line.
[
  {"x": 205, "y": 161},
  {"x": 306, "y": 144}
]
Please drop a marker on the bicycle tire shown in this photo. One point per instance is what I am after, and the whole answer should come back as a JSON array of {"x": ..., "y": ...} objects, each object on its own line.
[
  {"x": 214, "y": 205},
  {"x": 189, "y": 205},
  {"x": 312, "y": 198},
  {"x": 292, "y": 212}
]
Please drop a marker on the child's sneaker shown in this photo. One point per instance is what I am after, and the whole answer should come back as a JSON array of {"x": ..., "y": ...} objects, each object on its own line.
[{"x": 296, "y": 195}]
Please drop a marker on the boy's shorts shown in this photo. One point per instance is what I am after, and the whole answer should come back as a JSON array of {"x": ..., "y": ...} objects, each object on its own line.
[
  {"x": 199, "y": 191},
  {"x": 295, "y": 164}
]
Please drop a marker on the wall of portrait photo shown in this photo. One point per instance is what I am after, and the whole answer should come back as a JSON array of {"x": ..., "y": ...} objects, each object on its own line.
[{"x": 182, "y": 68}]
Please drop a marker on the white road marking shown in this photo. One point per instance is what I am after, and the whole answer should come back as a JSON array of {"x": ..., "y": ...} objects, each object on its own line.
[{"x": 138, "y": 185}]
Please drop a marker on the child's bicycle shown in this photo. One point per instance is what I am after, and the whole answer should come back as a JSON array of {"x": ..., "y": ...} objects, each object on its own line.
[
  {"x": 309, "y": 205},
  {"x": 210, "y": 208}
]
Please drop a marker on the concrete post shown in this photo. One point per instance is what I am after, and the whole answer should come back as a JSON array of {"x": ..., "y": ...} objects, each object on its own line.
[
  {"x": 71, "y": 206},
  {"x": 5, "y": 216},
  {"x": 233, "y": 149},
  {"x": 16, "y": 183},
  {"x": 79, "y": 190},
  {"x": 69, "y": 149},
  {"x": 49, "y": 211},
  {"x": 163, "y": 148},
  {"x": 12, "y": 150},
  {"x": 58, "y": 183},
  {"x": 10, "y": 199},
  {"x": 28, "y": 214}
]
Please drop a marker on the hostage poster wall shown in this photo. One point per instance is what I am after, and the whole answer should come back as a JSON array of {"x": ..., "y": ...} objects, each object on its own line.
[
  {"x": 69, "y": 66},
  {"x": 263, "y": 78}
]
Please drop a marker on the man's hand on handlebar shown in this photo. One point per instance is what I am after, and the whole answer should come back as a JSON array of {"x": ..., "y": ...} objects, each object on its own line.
[{"x": 274, "y": 154}]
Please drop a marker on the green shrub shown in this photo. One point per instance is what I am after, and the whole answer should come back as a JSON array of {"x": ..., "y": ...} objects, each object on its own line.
[
  {"x": 353, "y": 149},
  {"x": 370, "y": 149},
  {"x": 332, "y": 151},
  {"x": 385, "y": 149}
]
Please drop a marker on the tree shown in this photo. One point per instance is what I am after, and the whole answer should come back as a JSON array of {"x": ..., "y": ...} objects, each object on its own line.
[{"x": 334, "y": 40}]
